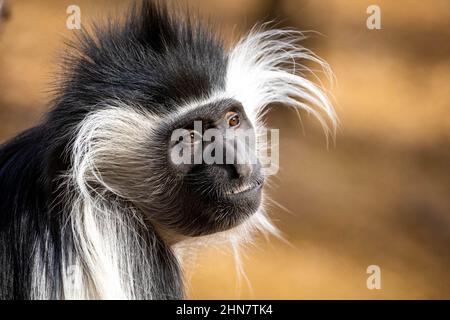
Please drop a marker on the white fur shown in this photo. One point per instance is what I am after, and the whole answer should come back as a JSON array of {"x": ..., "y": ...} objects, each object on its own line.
[
  {"x": 107, "y": 244},
  {"x": 268, "y": 66}
]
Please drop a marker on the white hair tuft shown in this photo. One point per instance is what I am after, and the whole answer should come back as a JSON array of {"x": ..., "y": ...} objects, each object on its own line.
[{"x": 267, "y": 67}]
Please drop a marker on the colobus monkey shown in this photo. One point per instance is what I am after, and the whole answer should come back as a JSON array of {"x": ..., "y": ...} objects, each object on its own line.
[{"x": 92, "y": 205}]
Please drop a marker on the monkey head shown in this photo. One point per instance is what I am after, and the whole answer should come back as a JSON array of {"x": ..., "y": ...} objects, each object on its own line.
[{"x": 138, "y": 97}]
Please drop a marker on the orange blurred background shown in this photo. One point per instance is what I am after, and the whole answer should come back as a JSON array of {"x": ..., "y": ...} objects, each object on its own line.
[{"x": 379, "y": 196}]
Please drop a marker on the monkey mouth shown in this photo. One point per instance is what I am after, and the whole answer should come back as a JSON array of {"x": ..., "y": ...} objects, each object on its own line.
[{"x": 245, "y": 187}]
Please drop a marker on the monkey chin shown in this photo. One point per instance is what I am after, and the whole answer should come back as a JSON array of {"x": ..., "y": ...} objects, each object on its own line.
[
  {"x": 231, "y": 211},
  {"x": 226, "y": 211}
]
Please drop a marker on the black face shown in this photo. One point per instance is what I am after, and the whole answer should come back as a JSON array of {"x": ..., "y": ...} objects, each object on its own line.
[{"x": 215, "y": 176}]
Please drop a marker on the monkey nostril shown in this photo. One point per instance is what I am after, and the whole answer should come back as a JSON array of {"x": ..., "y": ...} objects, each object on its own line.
[
  {"x": 238, "y": 171},
  {"x": 243, "y": 170},
  {"x": 231, "y": 170}
]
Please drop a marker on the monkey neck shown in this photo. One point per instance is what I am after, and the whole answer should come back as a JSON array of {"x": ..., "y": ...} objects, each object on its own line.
[{"x": 169, "y": 237}]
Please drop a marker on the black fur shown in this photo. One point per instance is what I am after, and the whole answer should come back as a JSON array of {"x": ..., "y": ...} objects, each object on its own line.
[{"x": 152, "y": 59}]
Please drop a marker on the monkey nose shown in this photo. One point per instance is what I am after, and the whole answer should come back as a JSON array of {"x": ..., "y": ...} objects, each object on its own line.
[{"x": 242, "y": 164}]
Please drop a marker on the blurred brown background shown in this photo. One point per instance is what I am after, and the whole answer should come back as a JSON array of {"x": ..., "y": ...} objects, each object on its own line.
[{"x": 379, "y": 196}]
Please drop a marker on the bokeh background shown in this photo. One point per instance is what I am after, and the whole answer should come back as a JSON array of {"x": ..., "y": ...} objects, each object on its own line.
[{"x": 379, "y": 195}]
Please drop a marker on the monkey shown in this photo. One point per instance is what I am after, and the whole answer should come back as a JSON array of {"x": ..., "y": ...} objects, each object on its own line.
[{"x": 92, "y": 205}]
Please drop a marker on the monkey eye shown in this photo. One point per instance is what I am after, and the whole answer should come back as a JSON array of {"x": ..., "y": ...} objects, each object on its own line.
[{"x": 233, "y": 118}]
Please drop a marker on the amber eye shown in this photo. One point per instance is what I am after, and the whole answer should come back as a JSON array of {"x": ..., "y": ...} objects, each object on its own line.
[{"x": 233, "y": 119}]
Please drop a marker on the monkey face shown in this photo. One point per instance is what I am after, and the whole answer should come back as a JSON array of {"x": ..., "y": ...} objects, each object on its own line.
[{"x": 214, "y": 179}]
